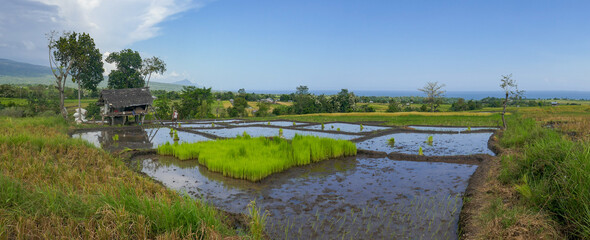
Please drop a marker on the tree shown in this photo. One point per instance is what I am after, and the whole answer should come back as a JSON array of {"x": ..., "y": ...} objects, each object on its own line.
[
  {"x": 263, "y": 108},
  {"x": 196, "y": 102},
  {"x": 128, "y": 73},
  {"x": 434, "y": 92},
  {"x": 162, "y": 106},
  {"x": 152, "y": 65},
  {"x": 74, "y": 55},
  {"x": 511, "y": 89},
  {"x": 346, "y": 100},
  {"x": 87, "y": 71},
  {"x": 394, "y": 106}
]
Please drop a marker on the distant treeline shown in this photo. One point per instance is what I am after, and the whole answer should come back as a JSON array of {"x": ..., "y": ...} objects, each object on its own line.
[{"x": 194, "y": 102}]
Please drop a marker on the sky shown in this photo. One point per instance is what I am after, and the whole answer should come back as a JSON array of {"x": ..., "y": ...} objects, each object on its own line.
[{"x": 325, "y": 45}]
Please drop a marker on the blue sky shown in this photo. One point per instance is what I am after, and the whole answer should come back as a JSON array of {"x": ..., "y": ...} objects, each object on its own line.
[{"x": 359, "y": 45}]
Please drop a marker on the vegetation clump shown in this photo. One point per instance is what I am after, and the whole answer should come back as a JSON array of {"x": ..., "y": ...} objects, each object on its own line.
[
  {"x": 256, "y": 158},
  {"x": 420, "y": 152},
  {"x": 391, "y": 142}
]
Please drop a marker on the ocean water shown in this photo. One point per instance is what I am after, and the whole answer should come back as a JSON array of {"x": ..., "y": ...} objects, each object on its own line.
[{"x": 475, "y": 95}]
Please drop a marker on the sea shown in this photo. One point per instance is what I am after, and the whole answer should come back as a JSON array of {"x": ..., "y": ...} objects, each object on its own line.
[{"x": 468, "y": 95}]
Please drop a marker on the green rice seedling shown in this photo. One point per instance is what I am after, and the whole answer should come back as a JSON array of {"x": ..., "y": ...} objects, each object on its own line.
[
  {"x": 294, "y": 124},
  {"x": 362, "y": 127},
  {"x": 268, "y": 123},
  {"x": 338, "y": 129},
  {"x": 323, "y": 126},
  {"x": 176, "y": 139},
  {"x": 420, "y": 152},
  {"x": 332, "y": 126},
  {"x": 429, "y": 141},
  {"x": 280, "y": 132},
  {"x": 116, "y": 137},
  {"x": 171, "y": 131},
  {"x": 391, "y": 142},
  {"x": 256, "y": 158},
  {"x": 469, "y": 129},
  {"x": 178, "y": 124},
  {"x": 212, "y": 124}
]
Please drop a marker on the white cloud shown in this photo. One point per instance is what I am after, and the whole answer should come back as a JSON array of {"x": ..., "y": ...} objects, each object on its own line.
[
  {"x": 117, "y": 24},
  {"x": 114, "y": 25}
]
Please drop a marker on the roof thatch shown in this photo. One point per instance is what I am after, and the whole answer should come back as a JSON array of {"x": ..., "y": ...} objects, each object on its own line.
[{"x": 128, "y": 97}]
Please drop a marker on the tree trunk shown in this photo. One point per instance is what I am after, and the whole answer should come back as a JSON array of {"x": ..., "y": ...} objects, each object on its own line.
[
  {"x": 504, "y": 111},
  {"x": 79, "y": 101},
  {"x": 62, "y": 96}
]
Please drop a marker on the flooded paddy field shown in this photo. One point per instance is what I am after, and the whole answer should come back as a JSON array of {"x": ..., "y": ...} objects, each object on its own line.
[
  {"x": 361, "y": 197},
  {"x": 442, "y": 144},
  {"x": 346, "y": 127},
  {"x": 269, "y": 132},
  {"x": 450, "y": 129},
  {"x": 271, "y": 123}
]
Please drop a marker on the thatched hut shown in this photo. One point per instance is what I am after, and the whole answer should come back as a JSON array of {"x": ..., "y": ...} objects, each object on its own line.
[{"x": 119, "y": 104}]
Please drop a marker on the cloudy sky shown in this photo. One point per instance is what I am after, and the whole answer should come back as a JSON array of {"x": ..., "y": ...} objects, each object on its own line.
[{"x": 327, "y": 45}]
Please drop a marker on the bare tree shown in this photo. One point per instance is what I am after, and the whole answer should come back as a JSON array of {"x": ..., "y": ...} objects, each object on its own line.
[
  {"x": 434, "y": 93},
  {"x": 511, "y": 89},
  {"x": 152, "y": 65}
]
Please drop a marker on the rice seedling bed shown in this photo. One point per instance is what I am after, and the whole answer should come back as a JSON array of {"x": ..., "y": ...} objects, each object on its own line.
[
  {"x": 346, "y": 127},
  {"x": 442, "y": 144},
  {"x": 256, "y": 158},
  {"x": 269, "y": 132},
  {"x": 355, "y": 197},
  {"x": 451, "y": 129}
]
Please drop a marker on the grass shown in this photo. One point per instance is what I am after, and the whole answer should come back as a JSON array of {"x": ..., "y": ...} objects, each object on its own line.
[
  {"x": 402, "y": 118},
  {"x": 256, "y": 158},
  {"x": 551, "y": 172},
  {"x": 53, "y": 186}
]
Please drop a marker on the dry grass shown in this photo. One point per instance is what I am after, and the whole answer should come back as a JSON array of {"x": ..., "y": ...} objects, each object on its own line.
[
  {"x": 53, "y": 186},
  {"x": 571, "y": 120}
]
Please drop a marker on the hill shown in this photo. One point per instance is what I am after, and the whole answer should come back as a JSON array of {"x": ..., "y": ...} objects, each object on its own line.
[
  {"x": 19, "y": 73},
  {"x": 19, "y": 69}
]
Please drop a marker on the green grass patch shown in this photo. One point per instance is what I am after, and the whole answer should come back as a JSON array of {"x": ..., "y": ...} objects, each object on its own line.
[
  {"x": 256, "y": 158},
  {"x": 552, "y": 173}
]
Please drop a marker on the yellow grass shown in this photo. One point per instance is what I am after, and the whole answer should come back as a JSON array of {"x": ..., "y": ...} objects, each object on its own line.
[{"x": 385, "y": 114}]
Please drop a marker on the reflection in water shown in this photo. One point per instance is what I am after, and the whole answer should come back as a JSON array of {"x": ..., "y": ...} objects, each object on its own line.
[
  {"x": 135, "y": 138},
  {"x": 443, "y": 144},
  {"x": 350, "y": 197}
]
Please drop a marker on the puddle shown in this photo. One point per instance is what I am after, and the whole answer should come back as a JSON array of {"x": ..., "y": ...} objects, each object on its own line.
[
  {"x": 358, "y": 198},
  {"x": 345, "y": 127},
  {"x": 450, "y": 129},
  {"x": 269, "y": 132},
  {"x": 442, "y": 145},
  {"x": 273, "y": 123},
  {"x": 135, "y": 138},
  {"x": 198, "y": 125}
]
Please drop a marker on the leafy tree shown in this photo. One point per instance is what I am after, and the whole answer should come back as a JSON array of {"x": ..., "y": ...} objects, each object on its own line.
[
  {"x": 394, "y": 106},
  {"x": 511, "y": 89},
  {"x": 302, "y": 90},
  {"x": 196, "y": 102},
  {"x": 242, "y": 91},
  {"x": 152, "y": 65},
  {"x": 434, "y": 93},
  {"x": 73, "y": 54},
  {"x": 239, "y": 108},
  {"x": 263, "y": 108},
  {"x": 87, "y": 71},
  {"x": 460, "y": 105},
  {"x": 128, "y": 73},
  {"x": 346, "y": 100},
  {"x": 162, "y": 107}
]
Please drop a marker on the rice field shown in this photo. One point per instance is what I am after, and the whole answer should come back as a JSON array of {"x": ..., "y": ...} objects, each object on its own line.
[{"x": 256, "y": 158}]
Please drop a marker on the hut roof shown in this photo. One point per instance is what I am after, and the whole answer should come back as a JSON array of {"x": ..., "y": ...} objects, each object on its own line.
[{"x": 127, "y": 97}]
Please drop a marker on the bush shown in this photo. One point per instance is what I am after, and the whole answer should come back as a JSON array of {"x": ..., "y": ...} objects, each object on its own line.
[{"x": 15, "y": 112}]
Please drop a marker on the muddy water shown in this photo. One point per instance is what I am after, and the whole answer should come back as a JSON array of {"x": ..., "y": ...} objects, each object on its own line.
[
  {"x": 269, "y": 132},
  {"x": 273, "y": 123},
  {"x": 135, "y": 138},
  {"x": 442, "y": 144},
  {"x": 346, "y": 127},
  {"x": 450, "y": 129},
  {"x": 358, "y": 198}
]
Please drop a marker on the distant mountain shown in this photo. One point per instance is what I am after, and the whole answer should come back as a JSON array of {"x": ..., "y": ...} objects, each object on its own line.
[
  {"x": 18, "y": 73},
  {"x": 185, "y": 82},
  {"x": 20, "y": 69}
]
